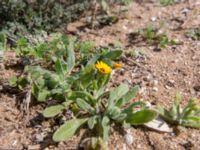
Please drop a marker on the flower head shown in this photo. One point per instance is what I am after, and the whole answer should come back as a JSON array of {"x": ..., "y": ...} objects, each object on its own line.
[
  {"x": 116, "y": 65},
  {"x": 103, "y": 67}
]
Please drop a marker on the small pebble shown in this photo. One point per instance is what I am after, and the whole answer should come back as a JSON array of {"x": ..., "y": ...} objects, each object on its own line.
[
  {"x": 155, "y": 82},
  {"x": 124, "y": 27},
  {"x": 153, "y": 19},
  {"x": 148, "y": 104},
  {"x": 14, "y": 143},
  {"x": 172, "y": 134},
  {"x": 194, "y": 58},
  {"x": 39, "y": 137},
  {"x": 147, "y": 78},
  {"x": 128, "y": 138},
  {"x": 155, "y": 89},
  {"x": 167, "y": 87},
  {"x": 185, "y": 10}
]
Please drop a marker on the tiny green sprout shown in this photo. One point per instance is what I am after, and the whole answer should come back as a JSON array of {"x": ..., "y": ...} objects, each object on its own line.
[
  {"x": 19, "y": 82},
  {"x": 134, "y": 53},
  {"x": 193, "y": 34},
  {"x": 167, "y": 2},
  {"x": 152, "y": 35},
  {"x": 188, "y": 116}
]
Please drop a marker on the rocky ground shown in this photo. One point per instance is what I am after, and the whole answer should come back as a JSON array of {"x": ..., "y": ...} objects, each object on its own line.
[{"x": 160, "y": 73}]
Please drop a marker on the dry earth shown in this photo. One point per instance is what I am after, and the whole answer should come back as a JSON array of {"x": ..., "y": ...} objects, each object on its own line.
[{"x": 159, "y": 73}]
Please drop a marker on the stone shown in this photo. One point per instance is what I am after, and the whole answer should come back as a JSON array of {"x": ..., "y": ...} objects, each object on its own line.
[
  {"x": 155, "y": 89},
  {"x": 128, "y": 138},
  {"x": 153, "y": 19},
  {"x": 159, "y": 124}
]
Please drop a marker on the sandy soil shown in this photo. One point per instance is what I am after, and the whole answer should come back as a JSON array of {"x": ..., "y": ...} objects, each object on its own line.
[{"x": 160, "y": 74}]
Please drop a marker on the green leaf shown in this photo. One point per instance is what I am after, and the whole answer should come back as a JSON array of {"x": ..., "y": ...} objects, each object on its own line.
[
  {"x": 43, "y": 95},
  {"x": 130, "y": 108},
  {"x": 178, "y": 99},
  {"x": 13, "y": 81},
  {"x": 106, "y": 128},
  {"x": 56, "y": 109},
  {"x": 22, "y": 42},
  {"x": 114, "y": 112},
  {"x": 191, "y": 106},
  {"x": 59, "y": 67},
  {"x": 85, "y": 106},
  {"x": 191, "y": 121},
  {"x": 22, "y": 82},
  {"x": 165, "y": 114},
  {"x": 92, "y": 121},
  {"x": 35, "y": 75},
  {"x": 82, "y": 95},
  {"x": 71, "y": 55},
  {"x": 3, "y": 42},
  {"x": 53, "y": 111},
  {"x": 141, "y": 117},
  {"x": 128, "y": 96},
  {"x": 113, "y": 54},
  {"x": 102, "y": 80},
  {"x": 67, "y": 130},
  {"x": 174, "y": 112},
  {"x": 116, "y": 94},
  {"x": 93, "y": 59},
  {"x": 121, "y": 117},
  {"x": 193, "y": 118}
]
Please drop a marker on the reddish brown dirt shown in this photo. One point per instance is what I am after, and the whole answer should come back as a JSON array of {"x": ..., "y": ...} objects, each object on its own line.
[{"x": 160, "y": 73}]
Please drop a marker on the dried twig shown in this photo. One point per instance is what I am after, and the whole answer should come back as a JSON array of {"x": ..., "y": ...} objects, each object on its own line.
[{"x": 26, "y": 104}]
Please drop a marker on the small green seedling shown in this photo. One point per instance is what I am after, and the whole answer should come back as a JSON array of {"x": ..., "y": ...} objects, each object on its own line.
[
  {"x": 134, "y": 53},
  {"x": 193, "y": 34},
  {"x": 188, "y": 116},
  {"x": 152, "y": 36},
  {"x": 167, "y": 2}
]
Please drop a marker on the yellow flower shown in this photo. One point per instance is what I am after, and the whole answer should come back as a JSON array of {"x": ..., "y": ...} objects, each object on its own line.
[
  {"x": 103, "y": 67},
  {"x": 116, "y": 65}
]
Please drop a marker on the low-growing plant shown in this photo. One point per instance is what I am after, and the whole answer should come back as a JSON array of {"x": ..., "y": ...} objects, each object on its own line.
[
  {"x": 193, "y": 34},
  {"x": 152, "y": 35},
  {"x": 46, "y": 52},
  {"x": 166, "y": 2},
  {"x": 53, "y": 73},
  {"x": 134, "y": 53},
  {"x": 102, "y": 108},
  {"x": 188, "y": 116},
  {"x": 22, "y": 17},
  {"x": 51, "y": 67}
]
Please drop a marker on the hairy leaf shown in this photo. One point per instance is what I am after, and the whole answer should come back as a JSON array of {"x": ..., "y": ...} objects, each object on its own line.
[
  {"x": 141, "y": 117},
  {"x": 53, "y": 111},
  {"x": 67, "y": 130},
  {"x": 128, "y": 96}
]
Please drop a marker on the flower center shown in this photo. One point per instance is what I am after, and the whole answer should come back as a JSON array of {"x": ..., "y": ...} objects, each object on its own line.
[{"x": 102, "y": 69}]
